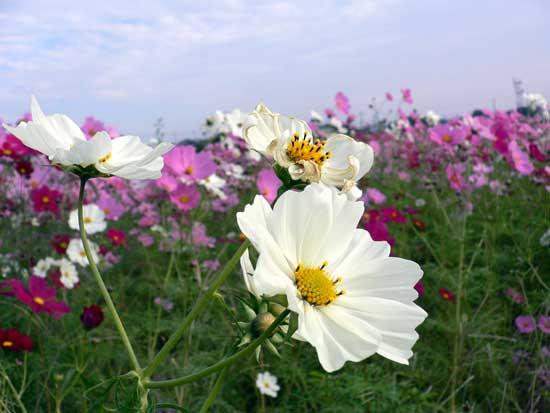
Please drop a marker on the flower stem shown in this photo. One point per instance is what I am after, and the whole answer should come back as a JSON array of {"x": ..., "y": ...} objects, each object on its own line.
[
  {"x": 221, "y": 364},
  {"x": 101, "y": 284},
  {"x": 214, "y": 392},
  {"x": 14, "y": 391},
  {"x": 201, "y": 303}
]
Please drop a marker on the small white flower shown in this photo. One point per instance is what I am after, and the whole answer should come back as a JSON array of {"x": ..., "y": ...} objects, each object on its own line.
[
  {"x": 58, "y": 137},
  {"x": 420, "y": 203},
  {"x": 35, "y": 222},
  {"x": 77, "y": 254},
  {"x": 267, "y": 384},
  {"x": 215, "y": 124},
  {"x": 351, "y": 297},
  {"x": 215, "y": 185},
  {"x": 545, "y": 238},
  {"x": 94, "y": 219},
  {"x": 43, "y": 266},
  {"x": 335, "y": 162},
  {"x": 315, "y": 116},
  {"x": 235, "y": 121},
  {"x": 432, "y": 118},
  {"x": 69, "y": 275}
]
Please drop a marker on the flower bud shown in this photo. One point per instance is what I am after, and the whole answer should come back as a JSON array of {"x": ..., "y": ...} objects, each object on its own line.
[
  {"x": 91, "y": 316},
  {"x": 261, "y": 323}
]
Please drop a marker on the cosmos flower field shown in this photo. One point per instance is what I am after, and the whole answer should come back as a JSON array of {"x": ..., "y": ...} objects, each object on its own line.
[{"x": 463, "y": 203}]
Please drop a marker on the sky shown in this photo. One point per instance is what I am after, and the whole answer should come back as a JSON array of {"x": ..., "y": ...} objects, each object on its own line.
[{"x": 129, "y": 62}]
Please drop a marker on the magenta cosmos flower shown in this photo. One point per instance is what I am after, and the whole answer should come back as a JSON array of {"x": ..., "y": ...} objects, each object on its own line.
[
  {"x": 185, "y": 197},
  {"x": 186, "y": 163},
  {"x": 407, "y": 96},
  {"x": 39, "y": 297},
  {"x": 45, "y": 199},
  {"x": 13, "y": 340},
  {"x": 454, "y": 175},
  {"x": 525, "y": 323},
  {"x": 268, "y": 184}
]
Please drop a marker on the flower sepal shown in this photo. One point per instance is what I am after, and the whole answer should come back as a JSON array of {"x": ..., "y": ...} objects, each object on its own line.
[
  {"x": 84, "y": 172},
  {"x": 288, "y": 183}
]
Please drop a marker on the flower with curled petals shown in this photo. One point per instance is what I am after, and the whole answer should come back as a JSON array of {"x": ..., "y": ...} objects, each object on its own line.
[{"x": 351, "y": 297}]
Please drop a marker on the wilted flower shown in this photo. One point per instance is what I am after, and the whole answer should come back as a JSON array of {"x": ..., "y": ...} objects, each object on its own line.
[
  {"x": 339, "y": 161},
  {"x": 267, "y": 384},
  {"x": 92, "y": 316}
]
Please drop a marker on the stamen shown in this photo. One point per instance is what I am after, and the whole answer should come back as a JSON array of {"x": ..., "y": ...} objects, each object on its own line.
[
  {"x": 305, "y": 149},
  {"x": 315, "y": 285}
]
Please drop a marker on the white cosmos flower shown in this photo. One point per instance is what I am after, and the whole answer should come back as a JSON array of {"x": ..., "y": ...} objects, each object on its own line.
[
  {"x": 339, "y": 161},
  {"x": 58, "y": 137},
  {"x": 69, "y": 274},
  {"x": 94, "y": 219},
  {"x": 77, "y": 254},
  {"x": 351, "y": 297},
  {"x": 43, "y": 266},
  {"x": 267, "y": 384},
  {"x": 235, "y": 121},
  {"x": 215, "y": 185}
]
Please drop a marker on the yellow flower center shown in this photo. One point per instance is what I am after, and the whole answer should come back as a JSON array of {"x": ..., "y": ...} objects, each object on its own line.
[
  {"x": 306, "y": 150},
  {"x": 63, "y": 244},
  {"x": 7, "y": 152},
  {"x": 315, "y": 285},
  {"x": 66, "y": 274},
  {"x": 7, "y": 344},
  {"x": 184, "y": 199},
  {"x": 87, "y": 220},
  {"x": 189, "y": 170},
  {"x": 447, "y": 139},
  {"x": 45, "y": 199},
  {"x": 106, "y": 158},
  {"x": 82, "y": 253},
  {"x": 92, "y": 132},
  {"x": 107, "y": 211},
  {"x": 39, "y": 300}
]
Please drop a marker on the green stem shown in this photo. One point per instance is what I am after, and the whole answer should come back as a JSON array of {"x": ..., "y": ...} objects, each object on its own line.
[
  {"x": 101, "y": 284},
  {"x": 221, "y": 364},
  {"x": 14, "y": 391},
  {"x": 214, "y": 392},
  {"x": 201, "y": 303}
]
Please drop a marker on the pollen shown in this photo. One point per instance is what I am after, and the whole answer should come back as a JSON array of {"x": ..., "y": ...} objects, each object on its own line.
[
  {"x": 39, "y": 300},
  {"x": 87, "y": 220},
  {"x": 45, "y": 199},
  {"x": 106, "y": 158},
  {"x": 184, "y": 199},
  {"x": 447, "y": 139},
  {"x": 315, "y": 285},
  {"x": 305, "y": 149},
  {"x": 7, "y": 344},
  {"x": 189, "y": 170}
]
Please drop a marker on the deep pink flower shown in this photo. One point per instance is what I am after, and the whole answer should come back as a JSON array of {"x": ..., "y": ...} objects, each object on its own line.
[
  {"x": 24, "y": 168},
  {"x": 517, "y": 297},
  {"x": 342, "y": 103},
  {"x": 393, "y": 214},
  {"x": 378, "y": 230},
  {"x": 454, "y": 175},
  {"x": 268, "y": 184},
  {"x": 407, "y": 96},
  {"x": 536, "y": 153},
  {"x": 389, "y": 96},
  {"x": 185, "y": 197},
  {"x": 187, "y": 164},
  {"x": 419, "y": 287},
  {"x": 544, "y": 324},
  {"x": 13, "y": 148},
  {"x": 13, "y": 340},
  {"x": 525, "y": 324},
  {"x": 418, "y": 223},
  {"x": 60, "y": 243},
  {"x": 116, "y": 236},
  {"x": 446, "y": 295},
  {"x": 39, "y": 297},
  {"x": 45, "y": 199},
  {"x": 522, "y": 164}
]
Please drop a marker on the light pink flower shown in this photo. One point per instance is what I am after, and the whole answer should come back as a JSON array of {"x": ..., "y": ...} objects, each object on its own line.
[
  {"x": 188, "y": 165},
  {"x": 268, "y": 184}
]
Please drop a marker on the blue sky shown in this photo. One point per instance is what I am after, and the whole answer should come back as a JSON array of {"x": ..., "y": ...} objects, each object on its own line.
[{"x": 130, "y": 62}]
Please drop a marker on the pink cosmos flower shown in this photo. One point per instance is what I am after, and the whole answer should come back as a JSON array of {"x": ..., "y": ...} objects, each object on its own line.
[
  {"x": 446, "y": 295},
  {"x": 419, "y": 287},
  {"x": 447, "y": 136},
  {"x": 167, "y": 182},
  {"x": 185, "y": 197},
  {"x": 39, "y": 297},
  {"x": 112, "y": 208},
  {"x": 45, "y": 199},
  {"x": 187, "y": 164},
  {"x": 342, "y": 103},
  {"x": 374, "y": 195},
  {"x": 544, "y": 324},
  {"x": 525, "y": 324},
  {"x": 522, "y": 164},
  {"x": 517, "y": 297},
  {"x": 145, "y": 239},
  {"x": 389, "y": 97},
  {"x": 407, "y": 96},
  {"x": 268, "y": 184},
  {"x": 199, "y": 236},
  {"x": 454, "y": 175},
  {"x": 92, "y": 126}
]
